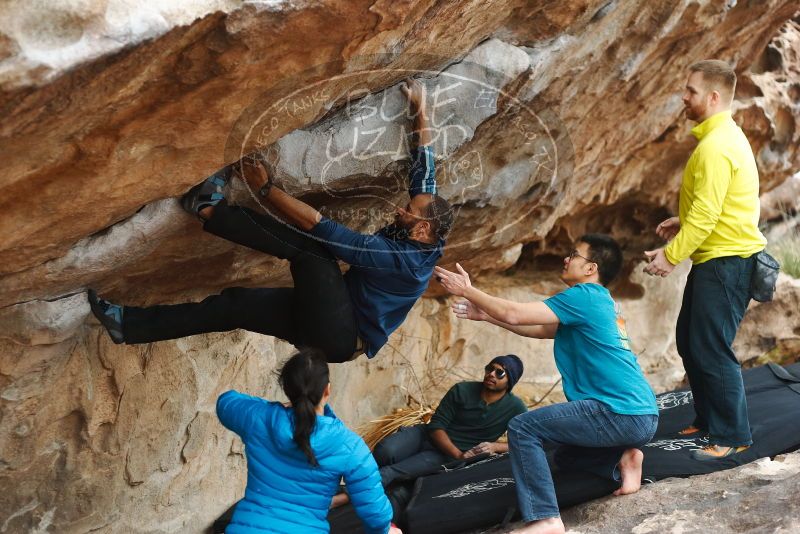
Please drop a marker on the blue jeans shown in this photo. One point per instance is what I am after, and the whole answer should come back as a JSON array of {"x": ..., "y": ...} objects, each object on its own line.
[
  {"x": 408, "y": 454},
  {"x": 592, "y": 437},
  {"x": 716, "y": 296}
]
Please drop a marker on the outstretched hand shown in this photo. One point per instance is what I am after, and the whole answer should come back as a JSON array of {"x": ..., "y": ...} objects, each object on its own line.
[
  {"x": 467, "y": 310},
  {"x": 455, "y": 283},
  {"x": 659, "y": 264}
]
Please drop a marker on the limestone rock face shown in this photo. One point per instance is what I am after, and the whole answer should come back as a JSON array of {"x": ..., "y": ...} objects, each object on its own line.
[
  {"x": 550, "y": 119},
  {"x": 98, "y": 437},
  {"x": 753, "y": 498},
  {"x": 772, "y": 325},
  {"x": 573, "y": 123},
  {"x": 782, "y": 201}
]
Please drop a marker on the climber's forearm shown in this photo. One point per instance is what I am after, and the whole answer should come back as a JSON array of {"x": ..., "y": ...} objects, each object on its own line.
[
  {"x": 296, "y": 211},
  {"x": 422, "y": 126}
]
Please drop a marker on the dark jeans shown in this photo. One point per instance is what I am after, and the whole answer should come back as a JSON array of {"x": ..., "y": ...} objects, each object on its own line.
[
  {"x": 316, "y": 312},
  {"x": 591, "y": 436},
  {"x": 716, "y": 296},
  {"x": 408, "y": 454}
]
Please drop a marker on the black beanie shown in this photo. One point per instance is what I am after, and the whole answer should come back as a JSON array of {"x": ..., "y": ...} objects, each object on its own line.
[{"x": 513, "y": 366}]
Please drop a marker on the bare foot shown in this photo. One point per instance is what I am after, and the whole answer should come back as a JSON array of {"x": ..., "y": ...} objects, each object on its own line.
[
  {"x": 339, "y": 499},
  {"x": 630, "y": 467},
  {"x": 551, "y": 525}
]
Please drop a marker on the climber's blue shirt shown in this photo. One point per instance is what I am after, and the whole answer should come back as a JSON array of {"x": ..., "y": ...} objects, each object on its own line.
[{"x": 387, "y": 273}]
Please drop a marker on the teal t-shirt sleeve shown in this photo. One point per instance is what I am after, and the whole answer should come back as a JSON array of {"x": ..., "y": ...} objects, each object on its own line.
[{"x": 571, "y": 306}]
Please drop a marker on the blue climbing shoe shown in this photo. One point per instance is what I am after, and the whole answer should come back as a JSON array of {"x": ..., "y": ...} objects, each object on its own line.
[
  {"x": 205, "y": 194},
  {"x": 109, "y": 315}
]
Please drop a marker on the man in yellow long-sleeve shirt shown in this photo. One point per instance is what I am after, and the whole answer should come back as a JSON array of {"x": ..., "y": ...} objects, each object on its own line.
[{"x": 717, "y": 229}]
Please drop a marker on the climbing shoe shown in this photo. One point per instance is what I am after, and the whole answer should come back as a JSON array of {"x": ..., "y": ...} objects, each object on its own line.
[
  {"x": 715, "y": 452},
  {"x": 205, "y": 194},
  {"x": 109, "y": 315}
]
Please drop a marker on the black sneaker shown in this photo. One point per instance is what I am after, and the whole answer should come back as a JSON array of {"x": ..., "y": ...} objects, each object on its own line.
[
  {"x": 208, "y": 193},
  {"x": 109, "y": 315}
]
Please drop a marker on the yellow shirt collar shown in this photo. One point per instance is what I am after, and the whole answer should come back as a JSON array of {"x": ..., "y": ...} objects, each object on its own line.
[{"x": 703, "y": 129}]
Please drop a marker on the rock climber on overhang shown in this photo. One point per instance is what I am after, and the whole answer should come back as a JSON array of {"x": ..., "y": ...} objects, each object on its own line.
[{"x": 342, "y": 315}]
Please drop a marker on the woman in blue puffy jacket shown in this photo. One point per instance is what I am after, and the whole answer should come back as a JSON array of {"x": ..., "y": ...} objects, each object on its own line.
[{"x": 297, "y": 455}]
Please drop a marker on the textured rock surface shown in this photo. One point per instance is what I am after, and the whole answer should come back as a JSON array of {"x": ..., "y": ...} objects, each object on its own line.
[
  {"x": 771, "y": 325},
  {"x": 782, "y": 201},
  {"x": 553, "y": 118},
  {"x": 115, "y": 134},
  {"x": 754, "y": 498}
]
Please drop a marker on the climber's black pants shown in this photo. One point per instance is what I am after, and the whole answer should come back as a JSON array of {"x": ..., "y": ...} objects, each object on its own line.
[{"x": 316, "y": 312}]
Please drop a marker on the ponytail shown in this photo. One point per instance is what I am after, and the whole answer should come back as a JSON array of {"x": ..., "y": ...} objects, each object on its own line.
[
  {"x": 304, "y": 378},
  {"x": 305, "y": 418}
]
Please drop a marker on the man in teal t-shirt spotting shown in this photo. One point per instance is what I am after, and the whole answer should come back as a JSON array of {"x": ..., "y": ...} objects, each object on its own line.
[{"x": 611, "y": 411}]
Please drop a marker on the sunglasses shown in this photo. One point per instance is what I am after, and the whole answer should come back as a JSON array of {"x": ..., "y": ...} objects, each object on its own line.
[{"x": 498, "y": 372}]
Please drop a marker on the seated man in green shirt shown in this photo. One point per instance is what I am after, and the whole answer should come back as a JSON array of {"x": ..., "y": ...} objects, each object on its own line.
[{"x": 468, "y": 421}]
